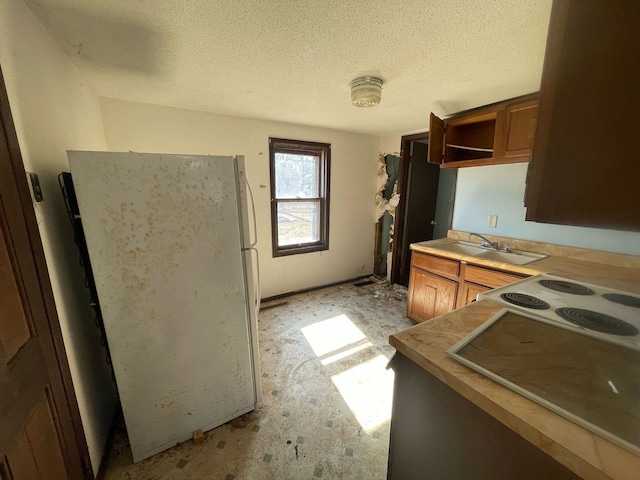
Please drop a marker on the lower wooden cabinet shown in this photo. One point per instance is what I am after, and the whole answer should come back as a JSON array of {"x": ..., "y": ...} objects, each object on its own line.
[
  {"x": 489, "y": 278},
  {"x": 470, "y": 291},
  {"x": 429, "y": 295},
  {"x": 438, "y": 285}
]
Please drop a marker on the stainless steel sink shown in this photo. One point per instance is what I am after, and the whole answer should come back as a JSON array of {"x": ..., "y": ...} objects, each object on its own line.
[
  {"x": 515, "y": 257},
  {"x": 459, "y": 247}
]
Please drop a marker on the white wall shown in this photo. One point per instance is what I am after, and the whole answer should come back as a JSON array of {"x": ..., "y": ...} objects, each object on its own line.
[
  {"x": 152, "y": 128},
  {"x": 499, "y": 190},
  {"x": 54, "y": 112},
  {"x": 390, "y": 144}
]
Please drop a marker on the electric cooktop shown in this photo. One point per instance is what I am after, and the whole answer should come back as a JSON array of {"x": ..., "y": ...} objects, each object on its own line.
[
  {"x": 605, "y": 313},
  {"x": 592, "y": 382},
  {"x": 571, "y": 346}
]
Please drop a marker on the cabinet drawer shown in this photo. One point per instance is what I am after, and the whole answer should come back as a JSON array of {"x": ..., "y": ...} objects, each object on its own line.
[
  {"x": 436, "y": 264},
  {"x": 490, "y": 278}
]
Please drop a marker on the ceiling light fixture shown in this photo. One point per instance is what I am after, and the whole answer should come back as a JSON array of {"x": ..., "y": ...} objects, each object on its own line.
[{"x": 366, "y": 91}]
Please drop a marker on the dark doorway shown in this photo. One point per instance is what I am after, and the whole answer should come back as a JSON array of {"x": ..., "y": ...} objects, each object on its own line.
[{"x": 426, "y": 206}]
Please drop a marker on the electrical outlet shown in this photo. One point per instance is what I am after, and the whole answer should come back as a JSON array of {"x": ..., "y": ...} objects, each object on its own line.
[
  {"x": 36, "y": 191},
  {"x": 493, "y": 221}
]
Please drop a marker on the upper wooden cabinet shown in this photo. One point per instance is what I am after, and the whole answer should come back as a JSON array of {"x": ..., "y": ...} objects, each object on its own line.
[
  {"x": 584, "y": 170},
  {"x": 516, "y": 124},
  {"x": 498, "y": 133}
]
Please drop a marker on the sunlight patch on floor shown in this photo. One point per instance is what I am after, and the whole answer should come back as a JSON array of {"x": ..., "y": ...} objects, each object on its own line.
[
  {"x": 367, "y": 389},
  {"x": 346, "y": 353},
  {"x": 333, "y": 334}
]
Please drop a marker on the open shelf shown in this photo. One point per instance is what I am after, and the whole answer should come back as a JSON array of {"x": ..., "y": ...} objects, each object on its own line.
[
  {"x": 475, "y": 149},
  {"x": 454, "y": 153},
  {"x": 470, "y": 140},
  {"x": 489, "y": 135}
]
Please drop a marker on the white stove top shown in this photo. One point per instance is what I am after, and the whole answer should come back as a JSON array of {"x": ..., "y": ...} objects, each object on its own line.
[{"x": 577, "y": 307}]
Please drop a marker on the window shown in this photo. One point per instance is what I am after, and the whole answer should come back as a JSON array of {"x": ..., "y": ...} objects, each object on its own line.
[{"x": 299, "y": 196}]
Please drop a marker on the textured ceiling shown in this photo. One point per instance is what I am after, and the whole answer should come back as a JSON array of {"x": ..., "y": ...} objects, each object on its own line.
[{"x": 292, "y": 60}]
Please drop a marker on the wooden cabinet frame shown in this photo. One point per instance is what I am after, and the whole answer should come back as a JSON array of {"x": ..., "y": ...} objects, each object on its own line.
[
  {"x": 495, "y": 134},
  {"x": 430, "y": 295},
  {"x": 438, "y": 285},
  {"x": 584, "y": 170}
]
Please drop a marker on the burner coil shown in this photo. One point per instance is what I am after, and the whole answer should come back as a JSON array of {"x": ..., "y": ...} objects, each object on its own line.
[
  {"x": 597, "y": 321},
  {"x": 526, "y": 301},
  {"x": 622, "y": 299},
  {"x": 566, "y": 287}
]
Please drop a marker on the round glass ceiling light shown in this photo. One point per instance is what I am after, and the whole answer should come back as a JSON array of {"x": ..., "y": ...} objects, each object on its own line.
[{"x": 366, "y": 91}]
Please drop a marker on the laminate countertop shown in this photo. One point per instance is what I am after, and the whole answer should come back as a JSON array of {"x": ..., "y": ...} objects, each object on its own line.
[{"x": 583, "y": 452}]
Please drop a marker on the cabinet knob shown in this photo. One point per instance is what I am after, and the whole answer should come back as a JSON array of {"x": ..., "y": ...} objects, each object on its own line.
[{"x": 433, "y": 222}]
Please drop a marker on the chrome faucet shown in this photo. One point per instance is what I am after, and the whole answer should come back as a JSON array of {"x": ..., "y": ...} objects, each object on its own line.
[{"x": 486, "y": 243}]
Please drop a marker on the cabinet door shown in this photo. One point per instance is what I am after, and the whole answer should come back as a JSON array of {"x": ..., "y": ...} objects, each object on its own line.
[
  {"x": 584, "y": 169},
  {"x": 436, "y": 140},
  {"x": 470, "y": 292},
  {"x": 518, "y": 125},
  {"x": 429, "y": 295}
]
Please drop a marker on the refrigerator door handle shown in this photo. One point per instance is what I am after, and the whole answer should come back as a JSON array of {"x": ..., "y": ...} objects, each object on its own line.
[
  {"x": 258, "y": 291},
  {"x": 255, "y": 223}
]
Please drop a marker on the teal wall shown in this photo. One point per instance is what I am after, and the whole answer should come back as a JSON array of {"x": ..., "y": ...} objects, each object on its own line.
[{"x": 499, "y": 190}]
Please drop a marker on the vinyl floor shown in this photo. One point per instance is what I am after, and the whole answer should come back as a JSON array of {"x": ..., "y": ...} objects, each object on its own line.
[{"x": 326, "y": 396}]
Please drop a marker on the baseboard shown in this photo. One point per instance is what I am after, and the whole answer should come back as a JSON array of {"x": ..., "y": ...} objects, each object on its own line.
[{"x": 311, "y": 289}]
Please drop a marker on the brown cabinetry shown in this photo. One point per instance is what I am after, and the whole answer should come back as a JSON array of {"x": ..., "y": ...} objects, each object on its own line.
[
  {"x": 430, "y": 295},
  {"x": 488, "y": 277},
  {"x": 518, "y": 126},
  {"x": 498, "y": 133},
  {"x": 438, "y": 285},
  {"x": 584, "y": 171},
  {"x": 470, "y": 291}
]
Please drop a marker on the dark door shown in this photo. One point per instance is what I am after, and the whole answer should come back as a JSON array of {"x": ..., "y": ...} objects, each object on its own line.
[
  {"x": 436, "y": 140},
  {"x": 419, "y": 208},
  {"x": 38, "y": 436}
]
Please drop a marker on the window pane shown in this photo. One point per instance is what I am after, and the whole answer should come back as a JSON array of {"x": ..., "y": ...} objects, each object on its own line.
[
  {"x": 298, "y": 222},
  {"x": 297, "y": 176}
]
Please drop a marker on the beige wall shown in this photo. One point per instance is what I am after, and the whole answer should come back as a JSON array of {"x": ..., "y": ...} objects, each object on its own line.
[
  {"x": 151, "y": 128},
  {"x": 53, "y": 111},
  {"x": 390, "y": 144}
]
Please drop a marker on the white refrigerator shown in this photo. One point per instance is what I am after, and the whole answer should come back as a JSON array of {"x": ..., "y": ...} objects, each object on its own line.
[{"x": 172, "y": 247}]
